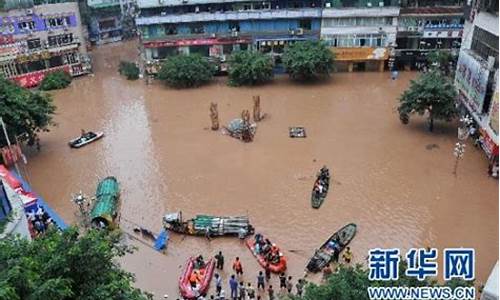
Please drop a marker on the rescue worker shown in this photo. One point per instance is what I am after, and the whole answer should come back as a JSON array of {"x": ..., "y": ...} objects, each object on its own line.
[{"x": 237, "y": 267}]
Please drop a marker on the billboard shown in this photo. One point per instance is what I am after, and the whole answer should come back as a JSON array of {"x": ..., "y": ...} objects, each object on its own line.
[
  {"x": 472, "y": 78},
  {"x": 494, "y": 108}
]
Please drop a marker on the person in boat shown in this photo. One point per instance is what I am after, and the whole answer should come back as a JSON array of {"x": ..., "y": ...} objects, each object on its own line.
[
  {"x": 257, "y": 248},
  {"x": 83, "y": 133},
  {"x": 193, "y": 279},
  {"x": 266, "y": 248},
  {"x": 199, "y": 262}
]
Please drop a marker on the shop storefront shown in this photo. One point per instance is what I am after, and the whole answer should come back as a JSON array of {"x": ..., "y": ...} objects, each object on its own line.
[{"x": 360, "y": 59}]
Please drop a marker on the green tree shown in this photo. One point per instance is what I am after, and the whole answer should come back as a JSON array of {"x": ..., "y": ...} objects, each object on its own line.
[
  {"x": 443, "y": 61},
  {"x": 308, "y": 60},
  {"x": 129, "y": 70},
  {"x": 25, "y": 113},
  {"x": 431, "y": 92},
  {"x": 184, "y": 71},
  {"x": 249, "y": 68},
  {"x": 55, "y": 80},
  {"x": 65, "y": 265},
  {"x": 351, "y": 283}
]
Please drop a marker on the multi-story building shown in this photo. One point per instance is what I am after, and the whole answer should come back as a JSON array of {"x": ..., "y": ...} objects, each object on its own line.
[
  {"x": 37, "y": 38},
  {"x": 110, "y": 20},
  {"x": 215, "y": 28},
  {"x": 477, "y": 72},
  {"x": 426, "y": 25},
  {"x": 360, "y": 32}
]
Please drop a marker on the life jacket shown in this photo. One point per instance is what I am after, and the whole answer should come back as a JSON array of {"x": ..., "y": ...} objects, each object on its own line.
[
  {"x": 237, "y": 265},
  {"x": 193, "y": 278}
]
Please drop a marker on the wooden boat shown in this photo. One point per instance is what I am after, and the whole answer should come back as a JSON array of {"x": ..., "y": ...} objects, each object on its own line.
[
  {"x": 324, "y": 255},
  {"x": 318, "y": 198},
  {"x": 85, "y": 139},
  {"x": 202, "y": 224},
  {"x": 273, "y": 267},
  {"x": 206, "y": 272}
]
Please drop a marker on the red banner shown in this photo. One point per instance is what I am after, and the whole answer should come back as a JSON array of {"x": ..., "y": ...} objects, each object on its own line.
[
  {"x": 197, "y": 42},
  {"x": 34, "y": 78}
]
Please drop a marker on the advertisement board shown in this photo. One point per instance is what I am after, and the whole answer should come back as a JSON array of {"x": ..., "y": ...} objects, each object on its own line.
[{"x": 472, "y": 78}]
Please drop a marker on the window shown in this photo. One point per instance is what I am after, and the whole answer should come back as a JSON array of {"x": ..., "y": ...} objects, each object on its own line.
[
  {"x": 484, "y": 43},
  {"x": 305, "y": 24},
  {"x": 197, "y": 28},
  {"x": 61, "y": 39},
  {"x": 30, "y": 25},
  {"x": 55, "y": 61},
  {"x": 107, "y": 24},
  {"x": 34, "y": 44},
  {"x": 234, "y": 27},
  {"x": 170, "y": 29},
  {"x": 36, "y": 65}
]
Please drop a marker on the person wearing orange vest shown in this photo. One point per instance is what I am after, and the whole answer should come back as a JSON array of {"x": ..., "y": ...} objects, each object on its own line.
[
  {"x": 237, "y": 267},
  {"x": 193, "y": 279}
]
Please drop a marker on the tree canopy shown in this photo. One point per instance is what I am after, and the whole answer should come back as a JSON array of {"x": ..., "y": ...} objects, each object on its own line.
[
  {"x": 308, "y": 60},
  {"x": 129, "y": 70},
  {"x": 65, "y": 265},
  {"x": 25, "y": 113},
  {"x": 351, "y": 283},
  {"x": 443, "y": 61},
  {"x": 55, "y": 80},
  {"x": 184, "y": 71},
  {"x": 249, "y": 68},
  {"x": 431, "y": 92}
]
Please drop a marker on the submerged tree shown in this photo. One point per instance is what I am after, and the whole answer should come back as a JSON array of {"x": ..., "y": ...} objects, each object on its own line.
[
  {"x": 249, "y": 68},
  {"x": 308, "y": 60},
  {"x": 55, "y": 80},
  {"x": 65, "y": 265},
  {"x": 184, "y": 71},
  {"x": 129, "y": 69},
  {"x": 431, "y": 92},
  {"x": 25, "y": 113}
]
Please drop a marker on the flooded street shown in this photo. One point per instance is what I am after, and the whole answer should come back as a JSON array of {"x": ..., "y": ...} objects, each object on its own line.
[{"x": 394, "y": 181}]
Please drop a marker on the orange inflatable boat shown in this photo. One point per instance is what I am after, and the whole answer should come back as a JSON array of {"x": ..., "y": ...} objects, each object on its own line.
[{"x": 273, "y": 267}]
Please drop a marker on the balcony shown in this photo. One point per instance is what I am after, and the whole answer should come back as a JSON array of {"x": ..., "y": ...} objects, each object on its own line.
[
  {"x": 231, "y": 16},
  {"x": 389, "y": 11},
  {"x": 102, "y": 3},
  {"x": 242, "y": 35}
]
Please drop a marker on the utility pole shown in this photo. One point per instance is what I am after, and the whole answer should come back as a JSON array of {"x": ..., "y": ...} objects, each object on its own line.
[{"x": 8, "y": 142}]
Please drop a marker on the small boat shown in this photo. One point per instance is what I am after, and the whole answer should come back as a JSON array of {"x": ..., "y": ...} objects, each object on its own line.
[
  {"x": 318, "y": 194},
  {"x": 324, "y": 255},
  {"x": 273, "y": 267},
  {"x": 206, "y": 272},
  {"x": 85, "y": 139}
]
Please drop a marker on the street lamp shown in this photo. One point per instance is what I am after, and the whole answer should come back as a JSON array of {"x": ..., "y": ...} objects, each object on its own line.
[{"x": 463, "y": 134}]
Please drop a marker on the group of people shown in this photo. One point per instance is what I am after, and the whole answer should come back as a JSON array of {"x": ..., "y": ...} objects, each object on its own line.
[
  {"x": 321, "y": 184},
  {"x": 238, "y": 288},
  {"x": 40, "y": 220},
  {"x": 346, "y": 256},
  {"x": 266, "y": 249}
]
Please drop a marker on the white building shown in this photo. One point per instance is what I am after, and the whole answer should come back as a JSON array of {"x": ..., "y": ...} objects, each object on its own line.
[
  {"x": 360, "y": 36},
  {"x": 477, "y": 72}
]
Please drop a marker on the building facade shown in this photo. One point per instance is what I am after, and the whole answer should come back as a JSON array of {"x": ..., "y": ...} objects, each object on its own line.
[
  {"x": 426, "y": 25},
  {"x": 476, "y": 77},
  {"x": 361, "y": 33},
  {"x": 216, "y": 28},
  {"x": 111, "y": 20},
  {"x": 37, "y": 38}
]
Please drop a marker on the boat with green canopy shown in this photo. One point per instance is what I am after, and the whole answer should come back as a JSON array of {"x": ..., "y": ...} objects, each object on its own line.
[{"x": 106, "y": 205}]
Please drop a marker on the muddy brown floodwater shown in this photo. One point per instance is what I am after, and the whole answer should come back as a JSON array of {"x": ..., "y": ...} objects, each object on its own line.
[{"x": 386, "y": 178}]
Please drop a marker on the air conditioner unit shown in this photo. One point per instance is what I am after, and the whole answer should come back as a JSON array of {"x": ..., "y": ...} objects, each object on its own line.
[
  {"x": 300, "y": 31},
  {"x": 412, "y": 28},
  {"x": 235, "y": 33},
  {"x": 328, "y": 5},
  {"x": 29, "y": 11},
  {"x": 213, "y": 35},
  {"x": 381, "y": 4},
  {"x": 369, "y": 4}
]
